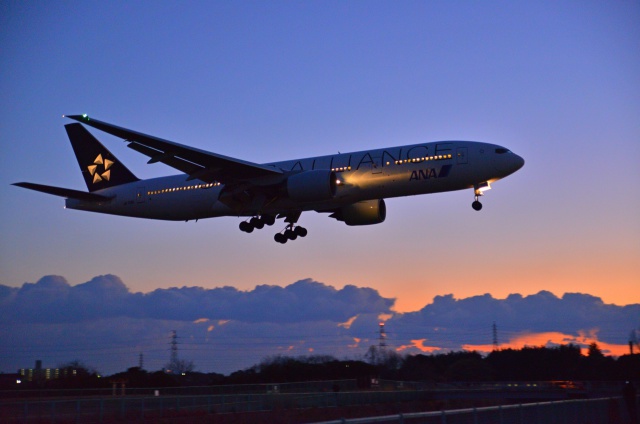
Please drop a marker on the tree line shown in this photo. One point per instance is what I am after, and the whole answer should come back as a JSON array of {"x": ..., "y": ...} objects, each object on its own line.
[{"x": 564, "y": 362}]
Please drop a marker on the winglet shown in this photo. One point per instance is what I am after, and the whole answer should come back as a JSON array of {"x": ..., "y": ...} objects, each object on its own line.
[{"x": 80, "y": 118}]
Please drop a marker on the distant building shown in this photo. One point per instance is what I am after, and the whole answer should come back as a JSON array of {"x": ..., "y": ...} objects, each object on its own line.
[{"x": 42, "y": 374}]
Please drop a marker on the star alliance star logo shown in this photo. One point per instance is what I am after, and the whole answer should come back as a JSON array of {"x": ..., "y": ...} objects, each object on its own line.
[{"x": 95, "y": 172}]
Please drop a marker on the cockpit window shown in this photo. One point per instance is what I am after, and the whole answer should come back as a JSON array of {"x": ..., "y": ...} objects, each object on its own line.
[{"x": 501, "y": 151}]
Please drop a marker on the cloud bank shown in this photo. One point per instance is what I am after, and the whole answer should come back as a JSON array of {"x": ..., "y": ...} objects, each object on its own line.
[
  {"x": 52, "y": 299},
  {"x": 224, "y": 329}
]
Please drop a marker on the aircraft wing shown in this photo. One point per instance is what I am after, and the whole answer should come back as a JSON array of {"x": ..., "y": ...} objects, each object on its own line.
[
  {"x": 64, "y": 192},
  {"x": 198, "y": 164}
]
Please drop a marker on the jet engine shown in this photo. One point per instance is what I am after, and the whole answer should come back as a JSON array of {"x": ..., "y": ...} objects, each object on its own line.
[
  {"x": 312, "y": 186},
  {"x": 366, "y": 212}
]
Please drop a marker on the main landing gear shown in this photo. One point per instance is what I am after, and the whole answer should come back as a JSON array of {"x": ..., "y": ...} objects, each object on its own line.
[
  {"x": 291, "y": 232},
  {"x": 257, "y": 222}
]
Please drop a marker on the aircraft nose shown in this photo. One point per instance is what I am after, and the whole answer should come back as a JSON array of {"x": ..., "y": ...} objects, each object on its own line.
[
  {"x": 506, "y": 161},
  {"x": 518, "y": 162}
]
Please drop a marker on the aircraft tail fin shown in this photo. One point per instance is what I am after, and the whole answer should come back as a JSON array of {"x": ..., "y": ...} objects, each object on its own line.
[{"x": 98, "y": 165}]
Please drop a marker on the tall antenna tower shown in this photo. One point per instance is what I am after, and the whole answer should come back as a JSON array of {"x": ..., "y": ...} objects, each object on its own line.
[
  {"x": 173, "y": 359},
  {"x": 633, "y": 340},
  {"x": 495, "y": 336},
  {"x": 382, "y": 339},
  {"x": 140, "y": 361}
]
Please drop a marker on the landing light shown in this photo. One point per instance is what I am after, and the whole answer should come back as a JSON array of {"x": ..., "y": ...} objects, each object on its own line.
[
  {"x": 338, "y": 182},
  {"x": 482, "y": 187}
]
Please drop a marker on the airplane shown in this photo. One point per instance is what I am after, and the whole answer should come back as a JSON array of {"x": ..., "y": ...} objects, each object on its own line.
[{"x": 350, "y": 187}]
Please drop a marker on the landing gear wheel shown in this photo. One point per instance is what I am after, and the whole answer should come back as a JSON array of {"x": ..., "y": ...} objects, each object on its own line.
[
  {"x": 290, "y": 234},
  {"x": 246, "y": 227},
  {"x": 300, "y": 231},
  {"x": 280, "y": 238},
  {"x": 269, "y": 220},
  {"x": 476, "y": 205},
  {"x": 257, "y": 223}
]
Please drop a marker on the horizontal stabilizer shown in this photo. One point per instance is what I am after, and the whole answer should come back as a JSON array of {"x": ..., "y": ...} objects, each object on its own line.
[{"x": 64, "y": 192}]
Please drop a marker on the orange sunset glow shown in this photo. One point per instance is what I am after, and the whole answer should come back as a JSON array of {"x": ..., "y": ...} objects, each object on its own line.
[
  {"x": 546, "y": 339},
  {"x": 420, "y": 345},
  {"x": 554, "y": 338}
]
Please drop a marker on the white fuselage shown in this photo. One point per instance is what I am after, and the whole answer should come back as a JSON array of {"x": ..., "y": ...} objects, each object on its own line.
[{"x": 365, "y": 175}]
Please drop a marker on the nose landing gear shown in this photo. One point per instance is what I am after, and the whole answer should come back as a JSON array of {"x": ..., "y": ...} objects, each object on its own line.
[{"x": 479, "y": 190}]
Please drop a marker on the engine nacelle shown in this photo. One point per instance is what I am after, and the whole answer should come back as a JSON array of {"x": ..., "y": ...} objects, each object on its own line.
[
  {"x": 366, "y": 212},
  {"x": 312, "y": 186}
]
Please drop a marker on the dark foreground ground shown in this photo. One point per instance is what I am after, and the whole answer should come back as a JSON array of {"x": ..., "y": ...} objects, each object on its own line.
[{"x": 294, "y": 416}]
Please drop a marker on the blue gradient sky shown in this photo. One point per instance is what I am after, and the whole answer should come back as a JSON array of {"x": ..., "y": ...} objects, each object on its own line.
[{"x": 556, "y": 82}]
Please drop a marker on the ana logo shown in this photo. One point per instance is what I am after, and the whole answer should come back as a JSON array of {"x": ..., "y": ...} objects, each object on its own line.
[
  {"x": 95, "y": 172},
  {"x": 429, "y": 173}
]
